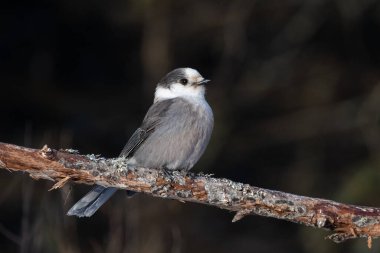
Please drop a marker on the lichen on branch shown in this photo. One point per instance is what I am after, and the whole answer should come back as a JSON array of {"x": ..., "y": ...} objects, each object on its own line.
[{"x": 63, "y": 166}]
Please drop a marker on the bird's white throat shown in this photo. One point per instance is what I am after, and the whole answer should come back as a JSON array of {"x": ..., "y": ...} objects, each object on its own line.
[{"x": 179, "y": 90}]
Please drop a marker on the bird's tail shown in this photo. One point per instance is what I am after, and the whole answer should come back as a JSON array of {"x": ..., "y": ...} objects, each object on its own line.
[{"x": 92, "y": 201}]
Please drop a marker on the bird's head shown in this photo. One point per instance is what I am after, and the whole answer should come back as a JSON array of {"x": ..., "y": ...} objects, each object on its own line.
[{"x": 181, "y": 82}]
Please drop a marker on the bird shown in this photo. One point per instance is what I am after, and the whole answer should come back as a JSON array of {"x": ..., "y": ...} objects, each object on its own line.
[{"x": 173, "y": 135}]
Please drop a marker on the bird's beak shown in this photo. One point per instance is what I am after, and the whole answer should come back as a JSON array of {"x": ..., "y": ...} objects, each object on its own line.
[{"x": 204, "y": 81}]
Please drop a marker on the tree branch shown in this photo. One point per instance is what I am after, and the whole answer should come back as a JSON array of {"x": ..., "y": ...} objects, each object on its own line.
[{"x": 346, "y": 221}]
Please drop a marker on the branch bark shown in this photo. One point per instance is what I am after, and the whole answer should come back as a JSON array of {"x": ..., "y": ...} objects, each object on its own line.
[{"x": 62, "y": 166}]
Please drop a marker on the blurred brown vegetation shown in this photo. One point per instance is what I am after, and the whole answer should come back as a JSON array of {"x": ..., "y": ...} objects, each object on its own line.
[{"x": 295, "y": 91}]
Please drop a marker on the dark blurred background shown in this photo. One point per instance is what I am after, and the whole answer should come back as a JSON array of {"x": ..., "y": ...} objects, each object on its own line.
[{"x": 295, "y": 92}]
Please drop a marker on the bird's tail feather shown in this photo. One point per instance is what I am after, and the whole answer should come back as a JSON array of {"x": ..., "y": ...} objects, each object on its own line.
[{"x": 92, "y": 201}]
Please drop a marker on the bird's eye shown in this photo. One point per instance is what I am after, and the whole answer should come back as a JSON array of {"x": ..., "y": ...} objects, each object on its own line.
[{"x": 183, "y": 81}]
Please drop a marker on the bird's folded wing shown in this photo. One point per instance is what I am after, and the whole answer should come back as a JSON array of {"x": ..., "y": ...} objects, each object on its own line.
[{"x": 152, "y": 119}]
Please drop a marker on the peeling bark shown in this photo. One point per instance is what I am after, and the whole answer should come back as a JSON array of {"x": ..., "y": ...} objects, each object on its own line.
[{"x": 62, "y": 166}]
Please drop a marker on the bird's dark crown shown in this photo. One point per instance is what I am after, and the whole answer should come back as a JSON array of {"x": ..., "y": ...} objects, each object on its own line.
[{"x": 173, "y": 77}]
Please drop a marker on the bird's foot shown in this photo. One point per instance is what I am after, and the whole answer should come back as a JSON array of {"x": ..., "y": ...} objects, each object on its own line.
[
  {"x": 175, "y": 176},
  {"x": 167, "y": 172}
]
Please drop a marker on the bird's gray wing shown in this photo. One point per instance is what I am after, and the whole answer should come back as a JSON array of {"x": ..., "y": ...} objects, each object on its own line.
[
  {"x": 91, "y": 202},
  {"x": 152, "y": 119}
]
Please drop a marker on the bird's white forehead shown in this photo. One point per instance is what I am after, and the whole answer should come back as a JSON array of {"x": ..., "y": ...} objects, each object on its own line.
[{"x": 192, "y": 72}]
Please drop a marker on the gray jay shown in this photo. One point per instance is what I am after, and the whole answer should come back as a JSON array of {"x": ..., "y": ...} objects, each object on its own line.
[{"x": 173, "y": 135}]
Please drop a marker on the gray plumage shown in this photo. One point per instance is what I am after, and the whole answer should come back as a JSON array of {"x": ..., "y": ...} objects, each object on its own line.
[
  {"x": 173, "y": 135},
  {"x": 92, "y": 201}
]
